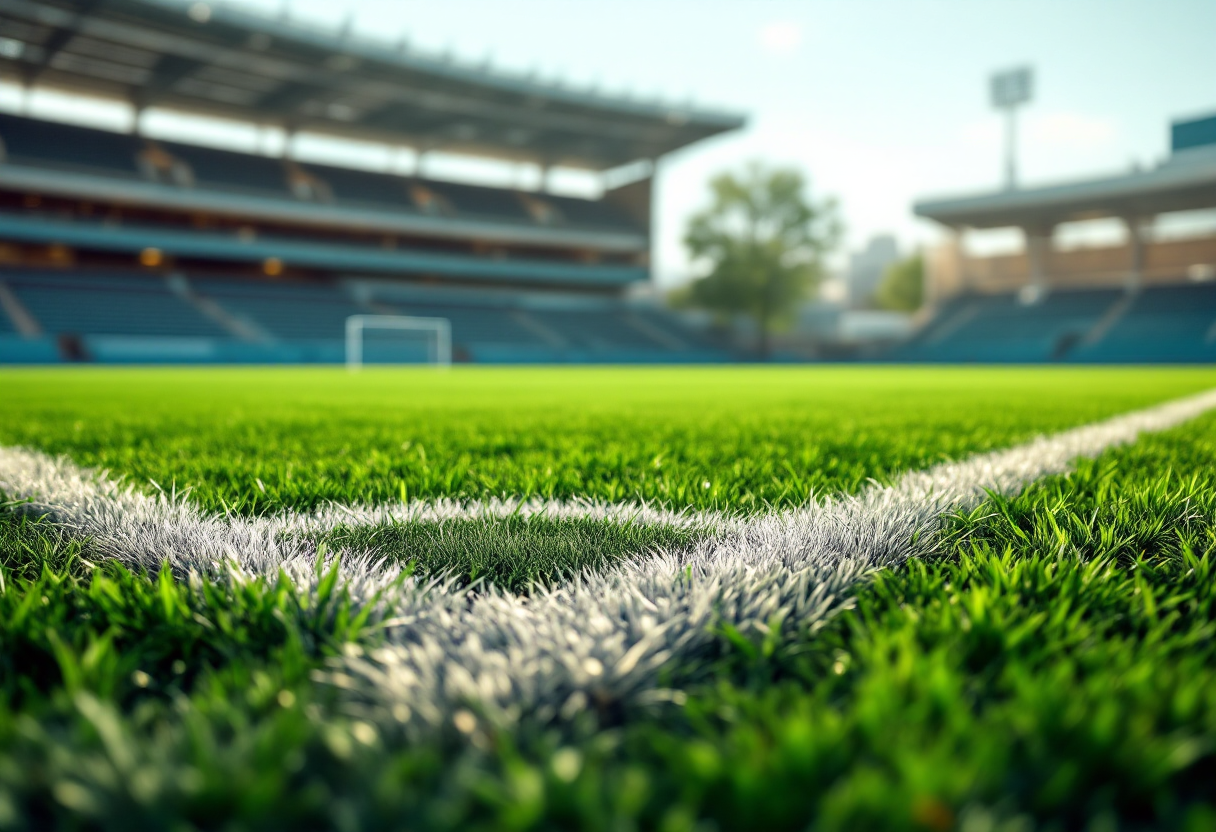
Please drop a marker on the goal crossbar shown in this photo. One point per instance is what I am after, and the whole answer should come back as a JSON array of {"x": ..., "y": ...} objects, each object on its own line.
[{"x": 439, "y": 349}]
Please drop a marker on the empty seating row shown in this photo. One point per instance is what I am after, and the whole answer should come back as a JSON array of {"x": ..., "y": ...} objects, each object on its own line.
[
  {"x": 104, "y": 304},
  {"x": 1157, "y": 324},
  {"x": 596, "y": 330},
  {"x": 30, "y": 141},
  {"x": 131, "y": 316},
  {"x": 1161, "y": 324},
  {"x": 40, "y": 143},
  {"x": 1005, "y": 328},
  {"x": 474, "y": 324},
  {"x": 284, "y": 311}
]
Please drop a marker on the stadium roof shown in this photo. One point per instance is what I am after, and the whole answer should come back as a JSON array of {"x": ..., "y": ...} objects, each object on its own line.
[
  {"x": 1186, "y": 181},
  {"x": 210, "y": 58}
]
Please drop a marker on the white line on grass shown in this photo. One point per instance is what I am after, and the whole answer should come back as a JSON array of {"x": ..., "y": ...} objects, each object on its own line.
[
  {"x": 604, "y": 638},
  {"x": 334, "y": 515}
]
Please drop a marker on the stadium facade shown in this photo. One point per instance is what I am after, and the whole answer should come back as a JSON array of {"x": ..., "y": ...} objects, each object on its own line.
[
  {"x": 125, "y": 248},
  {"x": 1151, "y": 298}
]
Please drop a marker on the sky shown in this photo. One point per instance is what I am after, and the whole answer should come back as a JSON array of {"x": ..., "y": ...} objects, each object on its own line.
[{"x": 879, "y": 102}]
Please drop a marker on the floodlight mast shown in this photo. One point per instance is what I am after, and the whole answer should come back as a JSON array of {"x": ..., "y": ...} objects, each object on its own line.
[
  {"x": 1009, "y": 89},
  {"x": 439, "y": 351}
]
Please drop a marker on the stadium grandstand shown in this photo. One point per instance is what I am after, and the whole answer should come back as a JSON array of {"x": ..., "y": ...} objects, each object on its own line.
[
  {"x": 1151, "y": 298},
  {"x": 124, "y": 247}
]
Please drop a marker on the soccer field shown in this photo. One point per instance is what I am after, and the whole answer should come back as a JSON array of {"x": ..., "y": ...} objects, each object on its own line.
[{"x": 602, "y": 598}]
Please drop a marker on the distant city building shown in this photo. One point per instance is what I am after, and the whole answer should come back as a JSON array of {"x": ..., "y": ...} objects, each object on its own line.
[{"x": 867, "y": 267}]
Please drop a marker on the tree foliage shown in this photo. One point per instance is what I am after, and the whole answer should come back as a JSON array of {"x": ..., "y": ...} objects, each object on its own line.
[
  {"x": 763, "y": 239},
  {"x": 903, "y": 285}
]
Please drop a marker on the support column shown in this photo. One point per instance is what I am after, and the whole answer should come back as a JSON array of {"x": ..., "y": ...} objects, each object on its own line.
[
  {"x": 958, "y": 258},
  {"x": 1136, "y": 227},
  {"x": 1011, "y": 164},
  {"x": 944, "y": 276},
  {"x": 1038, "y": 253}
]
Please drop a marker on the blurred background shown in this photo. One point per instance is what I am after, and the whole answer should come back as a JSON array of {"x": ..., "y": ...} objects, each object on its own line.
[{"x": 385, "y": 182}]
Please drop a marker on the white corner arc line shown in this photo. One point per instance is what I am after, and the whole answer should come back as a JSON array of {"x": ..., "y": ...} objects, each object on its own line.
[{"x": 603, "y": 636}]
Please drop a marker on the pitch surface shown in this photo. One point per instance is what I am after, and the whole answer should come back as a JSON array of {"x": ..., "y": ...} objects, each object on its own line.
[{"x": 1041, "y": 661}]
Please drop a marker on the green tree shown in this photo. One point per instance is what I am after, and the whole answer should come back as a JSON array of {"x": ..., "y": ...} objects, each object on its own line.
[
  {"x": 763, "y": 239},
  {"x": 903, "y": 285}
]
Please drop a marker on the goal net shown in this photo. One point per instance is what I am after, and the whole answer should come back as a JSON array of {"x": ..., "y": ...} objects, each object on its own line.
[{"x": 397, "y": 339}]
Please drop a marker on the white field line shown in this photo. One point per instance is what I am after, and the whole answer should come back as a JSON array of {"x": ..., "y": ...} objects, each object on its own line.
[
  {"x": 435, "y": 511},
  {"x": 604, "y": 637}
]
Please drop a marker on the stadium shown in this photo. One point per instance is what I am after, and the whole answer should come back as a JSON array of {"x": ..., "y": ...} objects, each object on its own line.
[
  {"x": 607, "y": 566},
  {"x": 1147, "y": 300},
  {"x": 125, "y": 249}
]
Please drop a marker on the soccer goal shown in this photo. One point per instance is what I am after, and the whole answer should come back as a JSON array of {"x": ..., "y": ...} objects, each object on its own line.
[{"x": 436, "y": 331}]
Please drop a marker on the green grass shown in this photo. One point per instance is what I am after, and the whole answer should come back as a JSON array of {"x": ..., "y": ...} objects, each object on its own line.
[
  {"x": 257, "y": 440},
  {"x": 513, "y": 554},
  {"x": 1053, "y": 667}
]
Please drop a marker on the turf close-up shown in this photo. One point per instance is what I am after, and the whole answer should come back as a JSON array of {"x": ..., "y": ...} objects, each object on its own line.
[{"x": 604, "y": 598}]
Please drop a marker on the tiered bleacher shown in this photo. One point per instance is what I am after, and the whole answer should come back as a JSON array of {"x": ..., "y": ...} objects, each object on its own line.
[
  {"x": 37, "y": 143},
  {"x": 1159, "y": 324},
  {"x": 122, "y": 246},
  {"x": 1009, "y": 328},
  {"x": 1162, "y": 324},
  {"x": 133, "y": 317},
  {"x": 101, "y": 304},
  {"x": 1146, "y": 298},
  {"x": 31, "y": 143}
]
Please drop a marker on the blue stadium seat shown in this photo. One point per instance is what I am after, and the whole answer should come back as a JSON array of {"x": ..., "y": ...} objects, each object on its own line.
[
  {"x": 591, "y": 213},
  {"x": 476, "y": 324},
  {"x": 696, "y": 340},
  {"x": 597, "y": 330},
  {"x": 291, "y": 311},
  {"x": 107, "y": 304},
  {"x": 1001, "y": 329},
  {"x": 474, "y": 201},
  {"x": 225, "y": 169},
  {"x": 365, "y": 187},
  {"x": 33, "y": 142},
  {"x": 1163, "y": 324}
]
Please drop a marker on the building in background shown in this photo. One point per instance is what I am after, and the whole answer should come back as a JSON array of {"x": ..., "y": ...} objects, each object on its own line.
[{"x": 867, "y": 267}]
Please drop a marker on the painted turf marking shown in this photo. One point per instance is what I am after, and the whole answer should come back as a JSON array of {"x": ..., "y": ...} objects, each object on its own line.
[{"x": 603, "y": 638}]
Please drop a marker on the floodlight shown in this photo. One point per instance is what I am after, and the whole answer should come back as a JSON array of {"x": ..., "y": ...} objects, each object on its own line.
[{"x": 1010, "y": 88}]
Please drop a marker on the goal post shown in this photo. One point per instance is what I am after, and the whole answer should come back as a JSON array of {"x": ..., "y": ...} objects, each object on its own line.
[{"x": 439, "y": 330}]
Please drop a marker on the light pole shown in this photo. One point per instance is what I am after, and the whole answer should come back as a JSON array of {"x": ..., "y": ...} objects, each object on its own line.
[{"x": 1010, "y": 88}]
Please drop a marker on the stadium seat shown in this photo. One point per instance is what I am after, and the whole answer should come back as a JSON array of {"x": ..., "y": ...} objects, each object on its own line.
[
  {"x": 590, "y": 213},
  {"x": 475, "y": 201},
  {"x": 1163, "y": 324},
  {"x": 360, "y": 187},
  {"x": 600, "y": 330},
  {"x": 289, "y": 311},
  {"x": 107, "y": 304},
  {"x": 1002, "y": 329},
  {"x": 229, "y": 170},
  {"x": 43, "y": 143}
]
